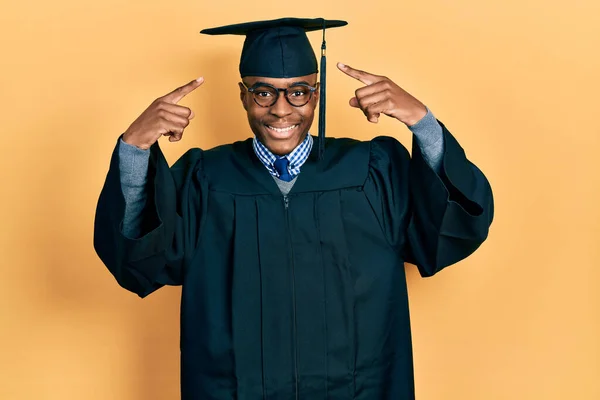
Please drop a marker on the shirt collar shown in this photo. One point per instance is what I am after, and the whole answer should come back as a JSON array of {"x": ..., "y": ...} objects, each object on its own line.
[{"x": 296, "y": 157}]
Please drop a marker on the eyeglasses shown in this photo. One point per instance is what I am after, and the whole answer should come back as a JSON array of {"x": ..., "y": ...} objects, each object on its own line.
[{"x": 266, "y": 95}]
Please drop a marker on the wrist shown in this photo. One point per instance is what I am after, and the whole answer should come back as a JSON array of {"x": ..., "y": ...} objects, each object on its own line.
[
  {"x": 416, "y": 115},
  {"x": 131, "y": 140}
]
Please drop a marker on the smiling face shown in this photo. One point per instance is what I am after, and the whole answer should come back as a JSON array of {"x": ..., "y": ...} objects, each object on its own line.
[{"x": 280, "y": 127}]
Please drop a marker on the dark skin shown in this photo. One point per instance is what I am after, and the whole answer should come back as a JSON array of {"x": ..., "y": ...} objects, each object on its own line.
[
  {"x": 282, "y": 115},
  {"x": 164, "y": 117},
  {"x": 382, "y": 96},
  {"x": 281, "y": 127}
]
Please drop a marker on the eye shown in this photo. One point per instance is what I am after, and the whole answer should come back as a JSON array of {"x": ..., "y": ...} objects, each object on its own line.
[
  {"x": 263, "y": 93},
  {"x": 298, "y": 92}
]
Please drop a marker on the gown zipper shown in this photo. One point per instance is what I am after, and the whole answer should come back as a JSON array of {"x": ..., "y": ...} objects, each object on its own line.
[{"x": 286, "y": 202}]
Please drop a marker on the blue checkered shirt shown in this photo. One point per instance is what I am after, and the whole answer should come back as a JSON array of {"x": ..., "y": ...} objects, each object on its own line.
[{"x": 297, "y": 157}]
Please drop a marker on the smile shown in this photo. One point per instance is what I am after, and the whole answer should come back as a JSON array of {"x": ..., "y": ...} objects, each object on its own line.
[{"x": 282, "y": 130}]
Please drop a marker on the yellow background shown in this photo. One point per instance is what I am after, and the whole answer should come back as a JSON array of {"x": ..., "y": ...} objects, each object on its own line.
[{"x": 517, "y": 82}]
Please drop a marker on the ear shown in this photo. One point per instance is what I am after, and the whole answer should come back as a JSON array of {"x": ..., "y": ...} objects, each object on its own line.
[
  {"x": 316, "y": 94},
  {"x": 243, "y": 96}
]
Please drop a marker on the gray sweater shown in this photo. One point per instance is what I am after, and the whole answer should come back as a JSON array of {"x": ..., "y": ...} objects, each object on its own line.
[{"x": 133, "y": 165}]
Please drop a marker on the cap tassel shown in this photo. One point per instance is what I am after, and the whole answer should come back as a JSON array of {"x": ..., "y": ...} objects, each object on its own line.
[{"x": 322, "y": 97}]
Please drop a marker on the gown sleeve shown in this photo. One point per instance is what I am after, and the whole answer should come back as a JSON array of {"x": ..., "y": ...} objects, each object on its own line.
[
  {"x": 433, "y": 219},
  {"x": 171, "y": 220}
]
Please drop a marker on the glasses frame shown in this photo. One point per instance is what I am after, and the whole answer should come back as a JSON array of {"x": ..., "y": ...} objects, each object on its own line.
[{"x": 252, "y": 89}]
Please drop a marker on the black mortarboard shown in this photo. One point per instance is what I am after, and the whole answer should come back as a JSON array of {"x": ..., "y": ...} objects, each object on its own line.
[{"x": 280, "y": 49}]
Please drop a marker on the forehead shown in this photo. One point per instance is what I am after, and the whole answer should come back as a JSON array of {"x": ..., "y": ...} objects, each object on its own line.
[{"x": 281, "y": 82}]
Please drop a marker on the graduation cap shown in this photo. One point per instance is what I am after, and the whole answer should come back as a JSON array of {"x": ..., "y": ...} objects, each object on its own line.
[{"x": 279, "y": 48}]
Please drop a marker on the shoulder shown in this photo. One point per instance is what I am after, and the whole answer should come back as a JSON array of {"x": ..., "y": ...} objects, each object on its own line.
[
  {"x": 377, "y": 149},
  {"x": 227, "y": 152},
  {"x": 388, "y": 147},
  {"x": 345, "y": 148},
  {"x": 221, "y": 154},
  {"x": 342, "y": 143},
  {"x": 351, "y": 153}
]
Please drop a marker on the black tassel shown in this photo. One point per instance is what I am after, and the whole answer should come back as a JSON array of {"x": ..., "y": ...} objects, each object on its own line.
[{"x": 322, "y": 98}]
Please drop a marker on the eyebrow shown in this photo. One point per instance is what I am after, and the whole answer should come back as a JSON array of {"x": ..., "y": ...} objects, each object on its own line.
[{"x": 289, "y": 86}]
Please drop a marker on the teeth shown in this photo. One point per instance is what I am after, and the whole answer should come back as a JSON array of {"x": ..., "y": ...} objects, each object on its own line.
[{"x": 282, "y": 130}]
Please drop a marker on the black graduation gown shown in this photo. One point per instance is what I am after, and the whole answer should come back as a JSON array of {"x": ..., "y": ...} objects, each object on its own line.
[{"x": 303, "y": 298}]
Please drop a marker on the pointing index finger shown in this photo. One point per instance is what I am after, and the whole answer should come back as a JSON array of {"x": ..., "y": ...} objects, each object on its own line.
[
  {"x": 176, "y": 95},
  {"x": 364, "y": 77}
]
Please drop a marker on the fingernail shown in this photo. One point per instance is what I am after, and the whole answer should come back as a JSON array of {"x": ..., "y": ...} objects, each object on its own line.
[
  {"x": 200, "y": 79},
  {"x": 341, "y": 65}
]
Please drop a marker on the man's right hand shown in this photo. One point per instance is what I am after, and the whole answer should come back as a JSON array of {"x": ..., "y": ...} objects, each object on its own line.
[{"x": 164, "y": 117}]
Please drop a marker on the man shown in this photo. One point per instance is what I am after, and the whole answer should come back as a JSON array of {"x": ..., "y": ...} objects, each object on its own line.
[{"x": 291, "y": 255}]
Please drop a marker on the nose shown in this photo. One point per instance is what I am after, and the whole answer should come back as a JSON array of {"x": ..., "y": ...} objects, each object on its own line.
[{"x": 281, "y": 108}]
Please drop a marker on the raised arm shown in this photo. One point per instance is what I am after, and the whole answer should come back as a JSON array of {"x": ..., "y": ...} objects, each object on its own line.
[
  {"x": 142, "y": 209},
  {"x": 451, "y": 201}
]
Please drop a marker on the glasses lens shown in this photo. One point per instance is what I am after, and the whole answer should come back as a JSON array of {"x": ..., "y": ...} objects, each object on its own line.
[
  {"x": 264, "y": 95},
  {"x": 299, "y": 95}
]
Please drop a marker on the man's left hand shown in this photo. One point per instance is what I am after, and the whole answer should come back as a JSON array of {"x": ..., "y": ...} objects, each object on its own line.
[{"x": 382, "y": 96}]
